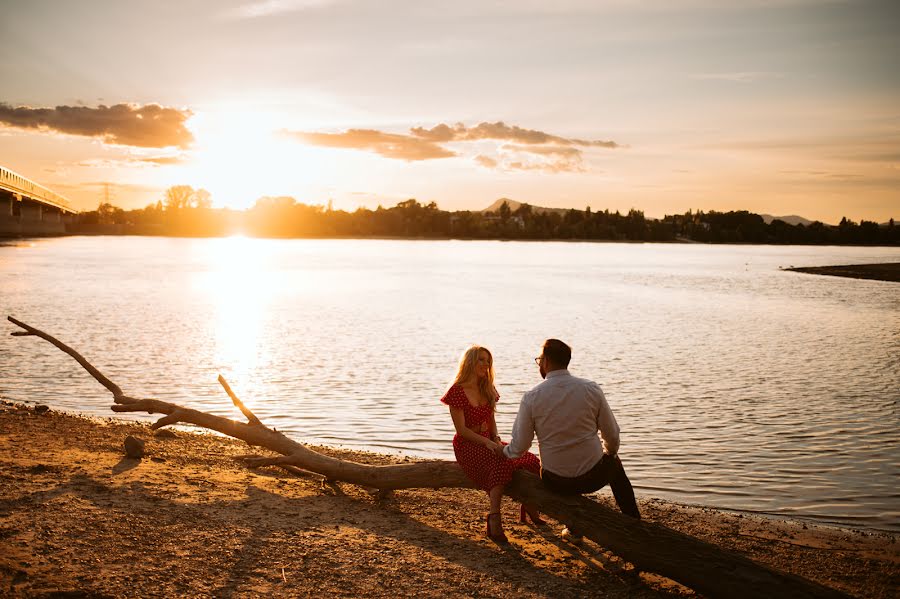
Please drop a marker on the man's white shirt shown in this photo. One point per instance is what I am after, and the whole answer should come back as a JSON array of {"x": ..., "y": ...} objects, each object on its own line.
[{"x": 566, "y": 412}]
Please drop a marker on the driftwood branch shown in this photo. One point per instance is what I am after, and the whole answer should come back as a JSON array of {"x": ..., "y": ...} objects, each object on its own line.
[
  {"x": 251, "y": 417},
  {"x": 697, "y": 564}
]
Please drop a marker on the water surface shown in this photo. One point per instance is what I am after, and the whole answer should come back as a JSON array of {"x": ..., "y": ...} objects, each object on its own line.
[{"x": 735, "y": 384}]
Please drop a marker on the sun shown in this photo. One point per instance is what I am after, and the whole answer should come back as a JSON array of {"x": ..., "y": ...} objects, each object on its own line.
[{"x": 241, "y": 155}]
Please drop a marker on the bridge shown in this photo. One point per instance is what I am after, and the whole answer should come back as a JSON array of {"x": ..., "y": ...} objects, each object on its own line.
[{"x": 28, "y": 208}]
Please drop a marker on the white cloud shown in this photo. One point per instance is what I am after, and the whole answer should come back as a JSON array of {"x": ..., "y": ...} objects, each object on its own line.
[{"x": 266, "y": 8}]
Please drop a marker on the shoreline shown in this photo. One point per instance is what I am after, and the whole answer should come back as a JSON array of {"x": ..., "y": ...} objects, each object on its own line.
[
  {"x": 885, "y": 271},
  {"x": 189, "y": 519},
  {"x": 400, "y": 455}
]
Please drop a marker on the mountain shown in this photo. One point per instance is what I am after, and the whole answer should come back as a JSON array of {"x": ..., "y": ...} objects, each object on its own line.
[
  {"x": 514, "y": 205},
  {"x": 793, "y": 219}
]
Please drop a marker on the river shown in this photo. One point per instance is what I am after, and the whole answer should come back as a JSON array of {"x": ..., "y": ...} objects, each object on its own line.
[{"x": 735, "y": 384}]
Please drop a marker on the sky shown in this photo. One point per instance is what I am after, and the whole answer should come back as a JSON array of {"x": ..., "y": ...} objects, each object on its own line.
[{"x": 774, "y": 106}]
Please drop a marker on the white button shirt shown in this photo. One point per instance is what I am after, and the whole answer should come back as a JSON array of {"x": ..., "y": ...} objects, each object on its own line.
[{"x": 566, "y": 412}]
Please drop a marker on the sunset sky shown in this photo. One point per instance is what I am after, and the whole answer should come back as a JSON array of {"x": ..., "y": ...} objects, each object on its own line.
[{"x": 775, "y": 106}]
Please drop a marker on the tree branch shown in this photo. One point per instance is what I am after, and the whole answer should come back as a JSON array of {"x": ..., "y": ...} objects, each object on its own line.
[{"x": 240, "y": 405}]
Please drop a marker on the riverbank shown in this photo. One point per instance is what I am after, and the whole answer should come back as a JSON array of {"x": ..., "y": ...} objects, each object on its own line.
[
  {"x": 889, "y": 271},
  {"x": 190, "y": 520}
]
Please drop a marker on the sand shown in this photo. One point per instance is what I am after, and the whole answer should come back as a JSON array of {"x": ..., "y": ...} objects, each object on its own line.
[{"x": 79, "y": 519}]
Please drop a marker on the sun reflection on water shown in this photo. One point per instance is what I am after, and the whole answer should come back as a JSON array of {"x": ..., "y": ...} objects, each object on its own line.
[{"x": 239, "y": 285}]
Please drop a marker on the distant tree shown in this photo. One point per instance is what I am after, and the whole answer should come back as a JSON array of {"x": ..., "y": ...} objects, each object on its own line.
[
  {"x": 201, "y": 199},
  {"x": 107, "y": 214},
  {"x": 504, "y": 211},
  {"x": 178, "y": 197}
]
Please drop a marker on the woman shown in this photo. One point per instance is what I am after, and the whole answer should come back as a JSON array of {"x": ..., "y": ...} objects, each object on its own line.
[{"x": 472, "y": 398}]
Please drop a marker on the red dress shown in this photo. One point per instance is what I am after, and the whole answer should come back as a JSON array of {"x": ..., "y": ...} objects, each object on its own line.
[{"x": 485, "y": 468}]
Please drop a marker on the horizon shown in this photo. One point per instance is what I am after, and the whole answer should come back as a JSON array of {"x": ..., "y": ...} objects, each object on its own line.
[
  {"x": 777, "y": 107},
  {"x": 493, "y": 207}
]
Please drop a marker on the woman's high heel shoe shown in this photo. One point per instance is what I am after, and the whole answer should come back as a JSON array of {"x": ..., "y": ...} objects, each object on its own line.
[
  {"x": 531, "y": 513},
  {"x": 497, "y": 537}
]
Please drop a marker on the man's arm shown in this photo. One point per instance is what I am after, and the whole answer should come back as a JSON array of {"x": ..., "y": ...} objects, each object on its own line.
[
  {"x": 523, "y": 431},
  {"x": 606, "y": 424}
]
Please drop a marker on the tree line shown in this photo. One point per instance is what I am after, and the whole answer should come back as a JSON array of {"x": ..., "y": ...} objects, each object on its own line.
[{"x": 187, "y": 211}]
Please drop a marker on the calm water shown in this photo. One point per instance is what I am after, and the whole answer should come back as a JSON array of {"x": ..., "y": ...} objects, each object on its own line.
[{"x": 735, "y": 384}]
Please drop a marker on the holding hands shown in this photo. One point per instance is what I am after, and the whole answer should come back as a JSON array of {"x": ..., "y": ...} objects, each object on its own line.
[{"x": 495, "y": 446}]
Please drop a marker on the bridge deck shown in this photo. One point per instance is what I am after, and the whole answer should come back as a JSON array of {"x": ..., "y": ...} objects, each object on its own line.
[{"x": 16, "y": 183}]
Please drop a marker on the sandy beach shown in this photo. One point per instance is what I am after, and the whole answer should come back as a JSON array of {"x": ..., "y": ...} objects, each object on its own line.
[{"x": 79, "y": 519}]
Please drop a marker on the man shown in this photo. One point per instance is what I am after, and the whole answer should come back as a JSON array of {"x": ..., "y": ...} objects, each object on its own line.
[{"x": 566, "y": 412}]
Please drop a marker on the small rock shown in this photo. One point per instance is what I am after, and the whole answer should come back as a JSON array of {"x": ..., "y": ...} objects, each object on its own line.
[
  {"x": 157, "y": 459},
  {"x": 134, "y": 447},
  {"x": 165, "y": 433},
  {"x": 41, "y": 409}
]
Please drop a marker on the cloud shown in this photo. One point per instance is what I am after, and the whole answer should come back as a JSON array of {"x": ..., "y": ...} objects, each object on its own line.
[
  {"x": 500, "y": 131},
  {"x": 529, "y": 149},
  {"x": 266, "y": 8},
  {"x": 161, "y": 160},
  {"x": 389, "y": 145},
  {"x": 547, "y": 159},
  {"x": 131, "y": 161},
  {"x": 148, "y": 126},
  {"x": 553, "y": 165},
  {"x": 565, "y": 151},
  {"x": 486, "y": 161}
]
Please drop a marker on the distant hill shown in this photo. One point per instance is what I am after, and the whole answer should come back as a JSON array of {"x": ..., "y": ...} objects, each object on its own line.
[
  {"x": 793, "y": 219},
  {"x": 514, "y": 205}
]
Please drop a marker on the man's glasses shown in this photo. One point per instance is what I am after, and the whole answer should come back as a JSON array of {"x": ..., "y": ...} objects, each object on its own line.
[{"x": 538, "y": 360}]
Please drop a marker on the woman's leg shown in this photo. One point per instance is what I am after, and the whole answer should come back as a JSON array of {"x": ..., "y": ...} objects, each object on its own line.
[
  {"x": 494, "y": 520},
  {"x": 496, "y": 495}
]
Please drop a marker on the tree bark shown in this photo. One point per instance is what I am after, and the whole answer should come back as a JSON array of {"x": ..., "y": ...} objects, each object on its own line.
[{"x": 704, "y": 567}]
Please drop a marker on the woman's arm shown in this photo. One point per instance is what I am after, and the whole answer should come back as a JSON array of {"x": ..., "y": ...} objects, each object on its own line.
[
  {"x": 459, "y": 421},
  {"x": 494, "y": 434}
]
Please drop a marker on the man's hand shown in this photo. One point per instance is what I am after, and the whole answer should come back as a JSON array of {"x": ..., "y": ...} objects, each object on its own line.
[{"x": 495, "y": 447}]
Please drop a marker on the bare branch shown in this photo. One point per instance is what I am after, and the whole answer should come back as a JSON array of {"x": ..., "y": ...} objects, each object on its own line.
[
  {"x": 113, "y": 388},
  {"x": 166, "y": 421},
  {"x": 240, "y": 405}
]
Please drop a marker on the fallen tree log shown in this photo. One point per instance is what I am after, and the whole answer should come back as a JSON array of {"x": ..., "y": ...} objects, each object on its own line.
[{"x": 704, "y": 567}]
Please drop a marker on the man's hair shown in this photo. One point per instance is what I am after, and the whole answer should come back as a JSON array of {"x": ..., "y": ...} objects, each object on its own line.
[{"x": 557, "y": 352}]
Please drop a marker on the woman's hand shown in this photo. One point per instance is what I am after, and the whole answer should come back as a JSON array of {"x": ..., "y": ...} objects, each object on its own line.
[{"x": 494, "y": 447}]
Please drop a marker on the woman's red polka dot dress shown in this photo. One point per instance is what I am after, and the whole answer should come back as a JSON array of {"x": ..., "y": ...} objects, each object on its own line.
[{"x": 485, "y": 468}]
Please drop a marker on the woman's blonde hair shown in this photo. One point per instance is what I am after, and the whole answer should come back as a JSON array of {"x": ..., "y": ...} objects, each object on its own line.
[{"x": 467, "y": 363}]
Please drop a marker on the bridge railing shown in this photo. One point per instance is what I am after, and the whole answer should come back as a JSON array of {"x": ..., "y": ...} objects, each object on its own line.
[{"x": 16, "y": 183}]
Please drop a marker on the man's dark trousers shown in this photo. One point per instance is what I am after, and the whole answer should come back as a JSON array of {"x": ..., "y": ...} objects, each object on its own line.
[{"x": 609, "y": 471}]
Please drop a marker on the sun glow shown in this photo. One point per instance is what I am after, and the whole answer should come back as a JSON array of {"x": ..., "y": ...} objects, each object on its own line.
[{"x": 240, "y": 156}]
